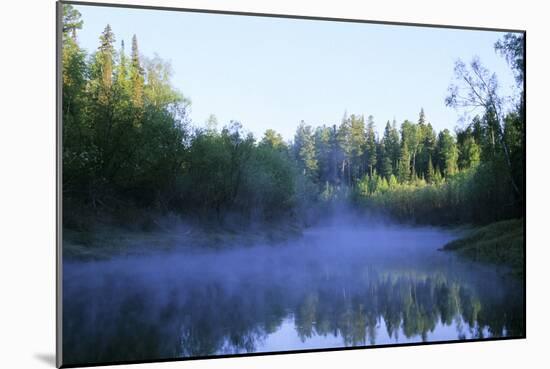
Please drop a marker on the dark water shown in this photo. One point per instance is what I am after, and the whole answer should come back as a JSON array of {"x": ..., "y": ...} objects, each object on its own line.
[{"x": 345, "y": 285}]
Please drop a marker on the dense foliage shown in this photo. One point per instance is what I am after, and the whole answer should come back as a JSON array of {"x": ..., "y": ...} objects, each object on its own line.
[{"x": 130, "y": 151}]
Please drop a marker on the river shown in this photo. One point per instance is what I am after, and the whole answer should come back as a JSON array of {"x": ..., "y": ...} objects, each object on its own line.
[{"x": 339, "y": 285}]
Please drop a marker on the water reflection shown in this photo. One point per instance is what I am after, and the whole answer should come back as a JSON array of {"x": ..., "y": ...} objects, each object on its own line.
[{"x": 300, "y": 296}]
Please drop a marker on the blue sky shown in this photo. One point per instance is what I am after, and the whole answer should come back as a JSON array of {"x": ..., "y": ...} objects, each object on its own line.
[{"x": 273, "y": 72}]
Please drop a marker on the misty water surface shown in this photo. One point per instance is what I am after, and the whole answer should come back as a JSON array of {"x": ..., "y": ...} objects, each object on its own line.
[{"x": 343, "y": 284}]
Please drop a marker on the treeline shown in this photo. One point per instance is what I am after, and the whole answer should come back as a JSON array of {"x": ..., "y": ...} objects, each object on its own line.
[
  {"x": 131, "y": 153},
  {"x": 345, "y": 154},
  {"x": 415, "y": 173},
  {"x": 474, "y": 175},
  {"x": 479, "y": 172}
]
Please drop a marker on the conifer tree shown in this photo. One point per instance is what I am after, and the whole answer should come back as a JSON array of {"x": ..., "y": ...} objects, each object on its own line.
[
  {"x": 427, "y": 148},
  {"x": 346, "y": 148},
  {"x": 430, "y": 172},
  {"x": 392, "y": 145},
  {"x": 334, "y": 154},
  {"x": 384, "y": 160},
  {"x": 73, "y": 73},
  {"x": 410, "y": 133},
  {"x": 357, "y": 144},
  {"x": 136, "y": 74},
  {"x": 105, "y": 58},
  {"x": 422, "y": 117},
  {"x": 371, "y": 145},
  {"x": 404, "y": 170},
  {"x": 468, "y": 152},
  {"x": 121, "y": 72},
  {"x": 71, "y": 21},
  {"x": 324, "y": 142},
  {"x": 304, "y": 146}
]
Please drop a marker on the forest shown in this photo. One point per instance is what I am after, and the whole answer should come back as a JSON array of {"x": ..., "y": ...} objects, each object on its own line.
[{"x": 131, "y": 153}]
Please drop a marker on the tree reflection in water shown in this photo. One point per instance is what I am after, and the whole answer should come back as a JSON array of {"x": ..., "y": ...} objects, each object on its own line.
[{"x": 137, "y": 315}]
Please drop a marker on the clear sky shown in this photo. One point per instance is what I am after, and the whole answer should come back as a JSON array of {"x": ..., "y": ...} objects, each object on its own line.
[{"x": 273, "y": 72}]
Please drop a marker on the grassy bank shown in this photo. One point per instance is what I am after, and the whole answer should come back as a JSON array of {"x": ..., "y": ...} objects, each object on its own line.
[{"x": 498, "y": 243}]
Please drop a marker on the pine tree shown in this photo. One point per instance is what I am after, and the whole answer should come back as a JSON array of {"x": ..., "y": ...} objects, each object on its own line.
[
  {"x": 421, "y": 117},
  {"x": 211, "y": 124},
  {"x": 410, "y": 133},
  {"x": 357, "y": 143},
  {"x": 430, "y": 172},
  {"x": 74, "y": 70},
  {"x": 71, "y": 21},
  {"x": 404, "y": 170},
  {"x": 346, "y": 148},
  {"x": 371, "y": 145},
  {"x": 392, "y": 145},
  {"x": 105, "y": 58},
  {"x": 334, "y": 154},
  {"x": 384, "y": 160},
  {"x": 468, "y": 153},
  {"x": 304, "y": 146},
  {"x": 427, "y": 148},
  {"x": 121, "y": 72},
  {"x": 325, "y": 146},
  {"x": 136, "y": 74}
]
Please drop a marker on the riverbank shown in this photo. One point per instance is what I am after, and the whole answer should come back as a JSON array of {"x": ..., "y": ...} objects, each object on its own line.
[
  {"x": 497, "y": 243},
  {"x": 105, "y": 241}
]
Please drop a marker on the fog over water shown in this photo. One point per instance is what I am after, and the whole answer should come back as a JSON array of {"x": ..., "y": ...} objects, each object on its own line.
[{"x": 345, "y": 282}]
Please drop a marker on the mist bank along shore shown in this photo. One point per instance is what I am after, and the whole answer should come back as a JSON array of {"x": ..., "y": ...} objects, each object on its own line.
[
  {"x": 499, "y": 243},
  {"x": 107, "y": 241}
]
